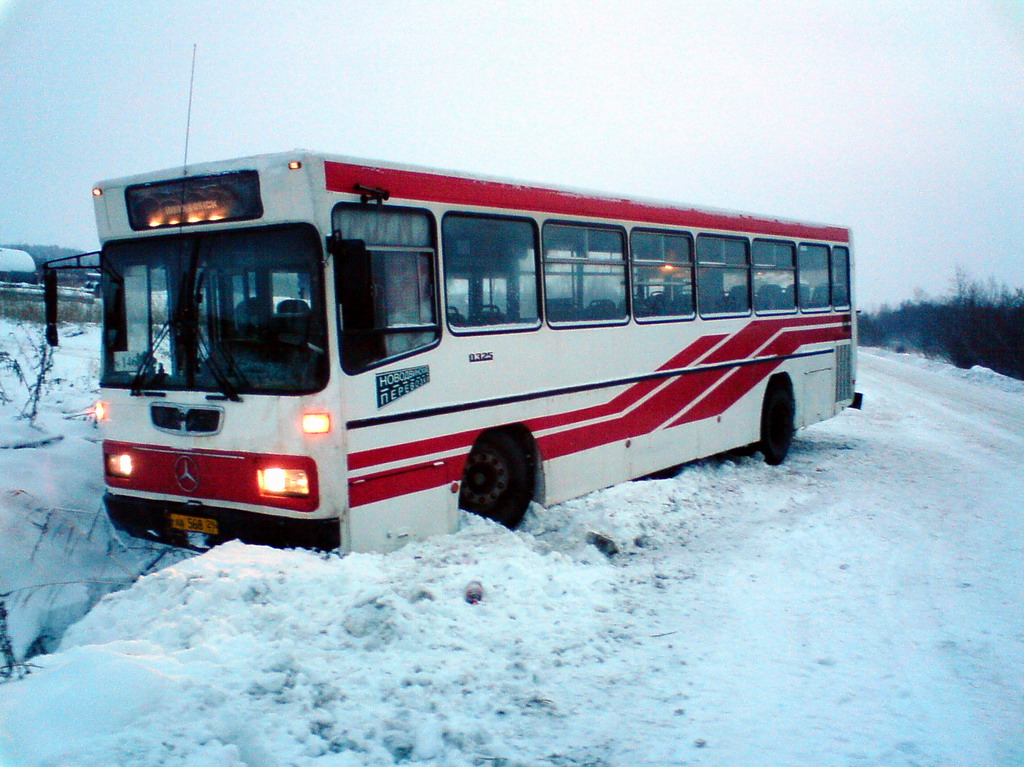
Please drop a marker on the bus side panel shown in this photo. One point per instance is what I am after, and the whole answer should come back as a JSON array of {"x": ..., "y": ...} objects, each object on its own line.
[
  {"x": 685, "y": 440},
  {"x": 578, "y": 473},
  {"x": 814, "y": 388},
  {"x": 389, "y": 524}
]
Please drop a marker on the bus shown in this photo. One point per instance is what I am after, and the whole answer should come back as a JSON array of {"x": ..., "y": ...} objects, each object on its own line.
[{"x": 326, "y": 352}]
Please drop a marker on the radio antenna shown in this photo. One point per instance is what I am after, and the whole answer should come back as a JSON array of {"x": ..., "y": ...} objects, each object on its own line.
[{"x": 188, "y": 119}]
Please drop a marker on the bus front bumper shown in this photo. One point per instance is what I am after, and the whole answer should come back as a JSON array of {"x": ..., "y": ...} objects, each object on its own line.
[{"x": 178, "y": 524}]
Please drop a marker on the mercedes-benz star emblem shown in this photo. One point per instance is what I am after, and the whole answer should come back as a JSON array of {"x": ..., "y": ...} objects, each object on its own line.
[{"x": 187, "y": 474}]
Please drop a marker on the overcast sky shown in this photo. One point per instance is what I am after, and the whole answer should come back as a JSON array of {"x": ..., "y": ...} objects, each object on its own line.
[{"x": 902, "y": 120}]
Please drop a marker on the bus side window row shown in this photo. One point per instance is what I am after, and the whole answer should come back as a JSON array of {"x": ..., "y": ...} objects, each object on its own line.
[
  {"x": 385, "y": 262},
  {"x": 491, "y": 274}
]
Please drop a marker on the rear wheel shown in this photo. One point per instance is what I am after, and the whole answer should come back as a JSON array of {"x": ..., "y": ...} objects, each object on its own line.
[
  {"x": 777, "y": 428},
  {"x": 497, "y": 482}
]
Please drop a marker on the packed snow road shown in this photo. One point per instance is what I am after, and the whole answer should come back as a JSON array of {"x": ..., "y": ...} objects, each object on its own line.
[{"x": 858, "y": 605}]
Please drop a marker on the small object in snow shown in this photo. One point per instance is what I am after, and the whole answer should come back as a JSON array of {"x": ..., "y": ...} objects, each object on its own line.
[
  {"x": 474, "y": 592},
  {"x": 30, "y": 442},
  {"x": 603, "y": 543},
  {"x": 700, "y": 743}
]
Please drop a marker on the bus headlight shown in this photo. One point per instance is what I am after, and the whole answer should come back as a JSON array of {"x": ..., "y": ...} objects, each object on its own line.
[
  {"x": 283, "y": 482},
  {"x": 119, "y": 465}
]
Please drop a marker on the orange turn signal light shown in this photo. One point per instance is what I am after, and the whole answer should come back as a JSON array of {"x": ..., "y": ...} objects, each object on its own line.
[{"x": 316, "y": 423}]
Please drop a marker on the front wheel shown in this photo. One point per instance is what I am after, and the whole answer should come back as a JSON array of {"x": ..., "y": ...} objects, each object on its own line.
[
  {"x": 497, "y": 482},
  {"x": 777, "y": 415}
]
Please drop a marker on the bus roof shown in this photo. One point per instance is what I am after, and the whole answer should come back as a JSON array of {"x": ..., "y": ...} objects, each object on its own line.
[
  {"x": 409, "y": 182},
  {"x": 457, "y": 189}
]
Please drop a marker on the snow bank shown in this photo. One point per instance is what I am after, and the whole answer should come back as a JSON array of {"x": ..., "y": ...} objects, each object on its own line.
[
  {"x": 978, "y": 374},
  {"x": 293, "y": 656}
]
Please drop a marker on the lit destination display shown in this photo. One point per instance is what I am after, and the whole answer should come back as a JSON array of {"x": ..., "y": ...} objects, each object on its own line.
[{"x": 201, "y": 200}]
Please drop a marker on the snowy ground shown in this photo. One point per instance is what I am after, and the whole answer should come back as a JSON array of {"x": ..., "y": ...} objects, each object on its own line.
[{"x": 859, "y": 605}]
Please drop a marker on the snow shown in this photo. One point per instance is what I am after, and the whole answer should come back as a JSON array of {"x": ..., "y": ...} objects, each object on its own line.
[{"x": 858, "y": 605}]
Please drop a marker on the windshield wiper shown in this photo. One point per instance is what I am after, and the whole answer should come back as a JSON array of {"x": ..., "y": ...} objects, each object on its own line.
[
  {"x": 177, "y": 322},
  {"x": 203, "y": 350},
  {"x": 224, "y": 383},
  {"x": 140, "y": 380}
]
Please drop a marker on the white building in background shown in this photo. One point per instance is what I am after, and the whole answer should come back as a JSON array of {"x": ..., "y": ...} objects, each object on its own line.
[{"x": 17, "y": 266}]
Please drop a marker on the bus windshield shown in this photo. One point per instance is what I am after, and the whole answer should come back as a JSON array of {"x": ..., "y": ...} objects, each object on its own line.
[{"x": 231, "y": 312}]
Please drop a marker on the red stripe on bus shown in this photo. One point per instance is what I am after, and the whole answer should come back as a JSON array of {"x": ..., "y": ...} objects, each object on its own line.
[
  {"x": 747, "y": 377},
  {"x": 633, "y": 394},
  {"x": 728, "y": 391},
  {"x": 391, "y": 484},
  {"x": 460, "y": 190},
  {"x": 427, "y": 446},
  {"x": 722, "y": 387},
  {"x": 619, "y": 403},
  {"x": 433, "y": 445},
  {"x": 643, "y": 420},
  {"x": 694, "y": 351},
  {"x": 753, "y": 336},
  {"x": 410, "y": 479}
]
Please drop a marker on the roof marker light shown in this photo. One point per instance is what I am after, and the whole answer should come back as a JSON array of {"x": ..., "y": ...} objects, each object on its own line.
[
  {"x": 97, "y": 192},
  {"x": 294, "y": 165}
]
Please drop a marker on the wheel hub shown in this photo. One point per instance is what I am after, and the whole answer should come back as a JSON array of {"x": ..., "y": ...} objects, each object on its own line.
[{"x": 486, "y": 478}]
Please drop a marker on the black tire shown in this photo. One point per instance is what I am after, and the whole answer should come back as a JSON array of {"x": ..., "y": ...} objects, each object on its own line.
[
  {"x": 777, "y": 428},
  {"x": 497, "y": 482}
]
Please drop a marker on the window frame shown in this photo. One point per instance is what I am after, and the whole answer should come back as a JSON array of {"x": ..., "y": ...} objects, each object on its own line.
[
  {"x": 791, "y": 269},
  {"x": 749, "y": 311},
  {"x": 846, "y": 275},
  {"x": 376, "y": 247},
  {"x": 828, "y": 273},
  {"x": 474, "y": 330},
  {"x": 624, "y": 261},
  {"x": 632, "y": 260}
]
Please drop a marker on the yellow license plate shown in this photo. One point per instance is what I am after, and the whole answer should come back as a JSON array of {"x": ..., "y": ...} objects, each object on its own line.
[{"x": 194, "y": 524}]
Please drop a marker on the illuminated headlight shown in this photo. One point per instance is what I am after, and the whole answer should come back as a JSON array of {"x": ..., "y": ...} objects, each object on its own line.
[
  {"x": 119, "y": 465},
  {"x": 286, "y": 482}
]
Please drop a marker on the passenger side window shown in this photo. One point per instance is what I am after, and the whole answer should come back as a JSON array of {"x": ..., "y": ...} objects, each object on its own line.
[
  {"x": 584, "y": 274},
  {"x": 723, "y": 276},
  {"x": 490, "y": 272},
  {"x": 841, "y": 278},
  {"x": 384, "y": 271},
  {"x": 774, "y": 276},
  {"x": 662, "y": 275},
  {"x": 812, "y": 271}
]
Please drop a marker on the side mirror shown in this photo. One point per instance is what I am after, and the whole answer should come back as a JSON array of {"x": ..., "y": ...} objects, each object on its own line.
[{"x": 50, "y": 305}]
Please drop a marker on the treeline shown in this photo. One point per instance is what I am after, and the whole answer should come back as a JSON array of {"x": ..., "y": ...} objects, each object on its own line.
[{"x": 975, "y": 324}]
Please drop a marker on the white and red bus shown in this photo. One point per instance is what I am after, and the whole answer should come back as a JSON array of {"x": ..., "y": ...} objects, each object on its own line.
[{"x": 319, "y": 351}]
